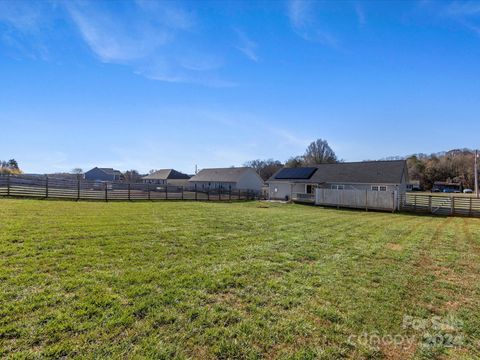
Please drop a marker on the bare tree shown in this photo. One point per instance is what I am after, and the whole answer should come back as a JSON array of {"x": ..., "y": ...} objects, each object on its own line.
[
  {"x": 295, "y": 161},
  {"x": 319, "y": 152},
  {"x": 77, "y": 171},
  {"x": 264, "y": 168},
  {"x": 132, "y": 176}
]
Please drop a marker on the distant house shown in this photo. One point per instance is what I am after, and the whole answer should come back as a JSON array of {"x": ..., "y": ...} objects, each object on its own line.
[
  {"x": 103, "y": 174},
  {"x": 244, "y": 178},
  {"x": 414, "y": 185},
  {"x": 167, "y": 177},
  {"x": 368, "y": 175}
]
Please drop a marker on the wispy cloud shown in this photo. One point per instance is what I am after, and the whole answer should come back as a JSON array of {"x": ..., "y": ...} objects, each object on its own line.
[
  {"x": 156, "y": 39},
  {"x": 303, "y": 22},
  {"x": 247, "y": 46},
  {"x": 465, "y": 13},
  {"x": 151, "y": 38},
  {"x": 362, "y": 20},
  {"x": 24, "y": 23},
  {"x": 468, "y": 8}
]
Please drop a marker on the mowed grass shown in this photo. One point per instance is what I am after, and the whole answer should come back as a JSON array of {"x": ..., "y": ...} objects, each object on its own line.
[{"x": 231, "y": 281}]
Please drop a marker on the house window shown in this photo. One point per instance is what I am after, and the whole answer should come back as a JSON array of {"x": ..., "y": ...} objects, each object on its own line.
[
  {"x": 382, "y": 188},
  {"x": 308, "y": 189},
  {"x": 379, "y": 188},
  {"x": 338, "y": 187},
  {"x": 374, "y": 188}
]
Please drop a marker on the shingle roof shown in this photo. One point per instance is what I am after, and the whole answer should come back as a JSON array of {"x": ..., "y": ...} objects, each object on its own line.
[
  {"x": 221, "y": 174},
  {"x": 367, "y": 172},
  {"x": 110, "y": 171},
  {"x": 166, "y": 174}
]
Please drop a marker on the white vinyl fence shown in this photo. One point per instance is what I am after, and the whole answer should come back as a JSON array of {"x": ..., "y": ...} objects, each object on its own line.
[{"x": 363, "y": 199}]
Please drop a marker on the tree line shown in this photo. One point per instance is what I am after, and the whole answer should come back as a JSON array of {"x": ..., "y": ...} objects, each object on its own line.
[
  {"x": 9, "y": 167},
  {"x": 452, "y": 166}
]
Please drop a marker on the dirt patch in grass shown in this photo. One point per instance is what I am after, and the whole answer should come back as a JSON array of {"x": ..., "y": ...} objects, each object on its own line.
[
  {"x": 393, "y": 351},
  {"x": 394, "y": 247}
]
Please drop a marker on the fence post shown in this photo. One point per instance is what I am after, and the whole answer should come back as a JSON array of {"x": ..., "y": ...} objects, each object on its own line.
[
  {"x": 208, "y": 194},
  {"x": 128, "y": 191},
  {"x": 196, "y": 192},
  {"x": 239, "y": 194},
  {"x": 470, "y": 208},
  {"x": 414, "y": 202},
  {"x": 78, "y": 189},
  {"x": 46, "y": 186},
  {"x": 8, "y": 184},
  {"x": 106, "y": 191},
  {"x": 182, "y": 192},
  {"x": 393, "y": 201},
  {"x": 230, "y": 193},
  {"x": 148, "y": 191},
  {"x": 366, "y": 199},
  {"x": 453, "y": 205},
  {"x": 166, "y": 191},
  {"x": 430, "y": 203},
  {"x": 219, "y": 194}
]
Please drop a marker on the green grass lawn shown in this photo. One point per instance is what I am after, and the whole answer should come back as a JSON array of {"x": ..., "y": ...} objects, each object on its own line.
[{"x": 233, "y": 281}]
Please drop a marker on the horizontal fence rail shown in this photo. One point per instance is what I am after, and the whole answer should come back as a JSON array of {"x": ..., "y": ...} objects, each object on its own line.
[
  {"x": 358, "y": 199},
  {"x": 393, "y": 201},
  {"x": 56, "y": 188},
  {"x": 440, "y": 204}
]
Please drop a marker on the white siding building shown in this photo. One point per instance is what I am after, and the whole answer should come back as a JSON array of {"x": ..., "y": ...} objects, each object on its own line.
[
  {"x": 368, "y": 175},
  {"x": 243, "y": 178}
]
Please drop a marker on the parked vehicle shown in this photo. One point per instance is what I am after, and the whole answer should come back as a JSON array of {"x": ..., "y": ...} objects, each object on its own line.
[
  {"x": 435, "y": 190},
  {"x": 447, "y": 190},
  {"x": 468, "y": 191}
]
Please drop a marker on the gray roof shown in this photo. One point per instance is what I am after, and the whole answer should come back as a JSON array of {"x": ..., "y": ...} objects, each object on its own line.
[
  {"x": 221, "y": 174},
  {"x": 110, "y": 171},
  {"x": 167, "y": 174},
  {"x": 367, "y": 172}
]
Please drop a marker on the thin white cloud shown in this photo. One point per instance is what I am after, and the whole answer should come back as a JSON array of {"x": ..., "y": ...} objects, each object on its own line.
[
  {"x": 154, "y": 38},
  {"x": 303, "y": 22},
  {"x": 24, "y": 23},
  {"x": 21, "y": 15},
  {"x": 247, "y": 46},
  {"x": 466, "y": 13},
  {"x": 362, "y": 20},
  {"x": 464, "y": 8},
  {"x": 111, "y": 39}
]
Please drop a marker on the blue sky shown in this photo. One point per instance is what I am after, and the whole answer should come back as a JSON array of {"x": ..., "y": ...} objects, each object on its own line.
[{"x": 149, "y": 85}]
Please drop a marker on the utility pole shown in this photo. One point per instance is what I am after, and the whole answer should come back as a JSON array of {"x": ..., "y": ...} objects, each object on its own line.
[{"x": 475, "y": 170}]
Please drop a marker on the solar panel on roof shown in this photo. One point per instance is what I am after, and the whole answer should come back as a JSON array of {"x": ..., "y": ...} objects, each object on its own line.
[{"x": 296, "y": 173}]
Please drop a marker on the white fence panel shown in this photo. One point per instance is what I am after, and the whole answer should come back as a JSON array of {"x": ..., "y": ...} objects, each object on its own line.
[{"x": 366, "y": 199}]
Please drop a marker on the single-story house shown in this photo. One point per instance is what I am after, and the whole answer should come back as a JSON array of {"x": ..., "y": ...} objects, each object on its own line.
[
  {"x": 103, "y": 174},
  {"x": 167, "y": 177},
  {"x": 367, "y": 175},
  {"x": 244, "y": 178}
]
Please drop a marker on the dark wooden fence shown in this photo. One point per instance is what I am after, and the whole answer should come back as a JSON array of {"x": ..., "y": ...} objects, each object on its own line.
[
  {"x": 78, "y": 189},
  {"x": 440, "y": 204}
]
